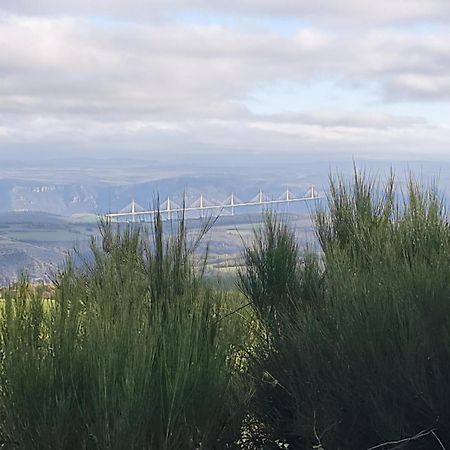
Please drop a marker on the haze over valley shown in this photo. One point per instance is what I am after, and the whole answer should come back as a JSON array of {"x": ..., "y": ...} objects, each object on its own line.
[{"x": 49, "y": 208}]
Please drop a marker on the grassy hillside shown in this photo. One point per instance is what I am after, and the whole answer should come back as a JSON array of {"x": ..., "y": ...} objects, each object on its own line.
[{"x": 38, "y": 243}]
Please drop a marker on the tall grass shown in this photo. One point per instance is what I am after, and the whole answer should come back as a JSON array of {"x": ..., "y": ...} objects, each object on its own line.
[
  {"x": 131, "y": 354},
  {"x": 356, "y": 346},
  {"x": 344, "y": 349}
]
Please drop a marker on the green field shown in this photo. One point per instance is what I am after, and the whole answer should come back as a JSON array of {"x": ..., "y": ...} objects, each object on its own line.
[{"x": 45, "y": 236}]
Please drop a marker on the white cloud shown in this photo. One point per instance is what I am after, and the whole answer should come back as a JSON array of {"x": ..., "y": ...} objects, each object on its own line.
[
  {"x": 67, "y": 65},
  {"x": 378, "y": 135},
  {"x": 325, "y": 10},
  {"x": 419, "y": 86},
  {"x": 64, "y": 65},
  {"x": 72, "y": 82}
]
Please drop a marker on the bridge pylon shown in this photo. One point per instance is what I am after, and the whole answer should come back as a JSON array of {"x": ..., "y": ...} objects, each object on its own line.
[
  {"x": 231, "y": 201},
  {"x": 169, "y": 206},
  {"x": 202, "y": 206}
]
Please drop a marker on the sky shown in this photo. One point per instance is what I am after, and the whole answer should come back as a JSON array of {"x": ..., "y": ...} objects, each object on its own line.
[{"x": 236, "y": 77}]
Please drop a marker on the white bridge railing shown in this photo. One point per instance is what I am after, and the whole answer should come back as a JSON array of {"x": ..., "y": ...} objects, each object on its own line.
[{"x": 134, "y": 211}]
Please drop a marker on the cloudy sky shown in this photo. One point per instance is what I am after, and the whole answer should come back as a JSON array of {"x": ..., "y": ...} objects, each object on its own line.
[{"x": 142, "y": 77}]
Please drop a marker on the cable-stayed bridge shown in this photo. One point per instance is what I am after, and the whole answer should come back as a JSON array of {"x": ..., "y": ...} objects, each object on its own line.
[{"x": 168, "y": 209}]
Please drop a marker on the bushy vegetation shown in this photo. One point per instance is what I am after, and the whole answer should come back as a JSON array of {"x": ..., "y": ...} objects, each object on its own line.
[
  {"x": 357, "y": 343},
  {"x": 341, "y": 347},
  {"x": 130, "y": 354}
]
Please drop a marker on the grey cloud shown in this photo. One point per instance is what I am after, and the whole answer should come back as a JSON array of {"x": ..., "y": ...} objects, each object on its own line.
[
  {"x": 68, "y": 83},
  {"x": 304, "y": 134},
  {"x": 355, "y": 120},
  {"x": 344, "y": 10},
  {"x": 419, "y": 87},
  {"x": 69, "y": 66}
]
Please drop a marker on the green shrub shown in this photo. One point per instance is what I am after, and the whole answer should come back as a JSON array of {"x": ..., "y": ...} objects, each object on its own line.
[
  {"x": 135, "y": 352},
  {"x": 342, "y": 349},
  {"x": 355, "y": 350}
]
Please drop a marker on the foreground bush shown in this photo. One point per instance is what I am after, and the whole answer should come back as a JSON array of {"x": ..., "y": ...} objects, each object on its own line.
[
  {"x": 355, "y": 346},
  {"x": 346, "y": 348},
  {"x": 131, "y": 353}
]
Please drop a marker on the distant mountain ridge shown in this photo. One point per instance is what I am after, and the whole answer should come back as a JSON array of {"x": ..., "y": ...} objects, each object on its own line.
[
  {"x": 71, "y": 199},
  {"x": 78, "y": 187}
]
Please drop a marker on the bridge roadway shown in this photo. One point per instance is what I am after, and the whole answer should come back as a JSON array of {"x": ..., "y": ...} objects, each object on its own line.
[{"x": 133, "y": 214}]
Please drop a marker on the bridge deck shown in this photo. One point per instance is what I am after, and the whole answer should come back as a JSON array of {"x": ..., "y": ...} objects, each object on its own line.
[{"x": 210, "y": 207}]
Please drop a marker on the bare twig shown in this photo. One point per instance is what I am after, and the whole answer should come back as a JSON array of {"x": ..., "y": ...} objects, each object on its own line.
[
  {"x": 319, "y": 437},
  {"x": 319, "y": 445},
  {"x": 419, "y": 435},
  {"x": 439, "y": 441},
  {"x": 230, "y": 313}
]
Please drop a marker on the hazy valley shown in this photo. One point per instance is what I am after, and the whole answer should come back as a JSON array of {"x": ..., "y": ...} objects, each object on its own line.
[{"x": 48, "y": 209}]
